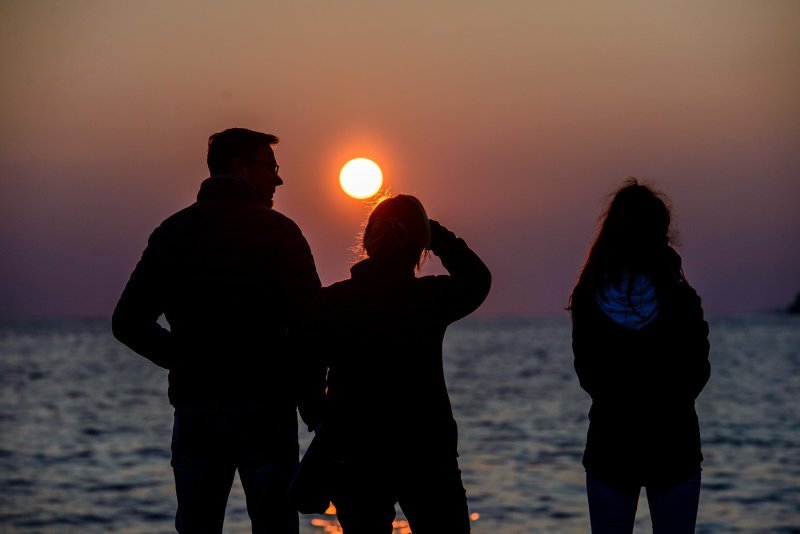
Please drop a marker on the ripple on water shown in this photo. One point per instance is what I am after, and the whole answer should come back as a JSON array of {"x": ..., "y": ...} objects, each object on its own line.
[{"x": 85, "y": 430}]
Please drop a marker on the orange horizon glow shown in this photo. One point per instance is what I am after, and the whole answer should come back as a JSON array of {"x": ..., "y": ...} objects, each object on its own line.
[{"x": 698, "y": 99}]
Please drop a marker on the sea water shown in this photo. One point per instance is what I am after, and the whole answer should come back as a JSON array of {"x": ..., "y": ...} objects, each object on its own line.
[{"x": 85, "y": 429}]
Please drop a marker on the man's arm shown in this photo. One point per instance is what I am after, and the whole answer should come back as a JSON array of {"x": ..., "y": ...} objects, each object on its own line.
[
  {"x": 301, "y": 284},
  {"x": 135, "y": 319},
  {"x": 297, "y": 271}
]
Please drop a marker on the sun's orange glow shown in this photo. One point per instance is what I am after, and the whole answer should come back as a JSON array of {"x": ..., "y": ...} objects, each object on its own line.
[
  {"x": 361, "y": 178},
  {"x": 332, "y": 526}
]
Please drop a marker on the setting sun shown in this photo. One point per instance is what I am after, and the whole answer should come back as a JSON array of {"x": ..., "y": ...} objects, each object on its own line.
[{"x": 361, "y": 178}]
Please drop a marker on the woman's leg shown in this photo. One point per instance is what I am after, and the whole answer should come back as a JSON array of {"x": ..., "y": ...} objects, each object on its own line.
[
  {"x": 434, "y": 500},
  {"x": 612, "y": 510},
  {"x": 365, "y": 514},
  {"x": 674, "y": 508}
]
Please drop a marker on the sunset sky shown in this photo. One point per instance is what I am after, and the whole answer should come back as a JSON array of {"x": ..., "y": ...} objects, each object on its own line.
[{"x": 512, "y": 121}]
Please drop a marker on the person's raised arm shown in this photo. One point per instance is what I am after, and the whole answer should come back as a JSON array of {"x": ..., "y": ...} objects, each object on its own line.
[{"x": 469, "y": 280}]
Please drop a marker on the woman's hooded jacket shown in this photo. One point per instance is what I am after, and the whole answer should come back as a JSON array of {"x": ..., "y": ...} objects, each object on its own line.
[{"x": 641, "y": 352}]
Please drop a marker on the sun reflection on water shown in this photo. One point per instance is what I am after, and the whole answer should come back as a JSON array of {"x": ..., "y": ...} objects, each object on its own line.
[{"x": 332, "y": 526}]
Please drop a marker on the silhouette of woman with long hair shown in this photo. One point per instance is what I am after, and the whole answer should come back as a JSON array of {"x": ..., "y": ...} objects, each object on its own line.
[
  {"x": 387, "y": 417},
  {"x": 641, "y": 351}
]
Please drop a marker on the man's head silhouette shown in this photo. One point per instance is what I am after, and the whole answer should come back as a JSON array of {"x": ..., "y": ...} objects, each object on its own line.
[{"x": 247, "y": 155}]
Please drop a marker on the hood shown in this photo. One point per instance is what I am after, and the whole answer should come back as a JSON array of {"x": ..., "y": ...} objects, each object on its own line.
[{"x": 631, "y": 303}]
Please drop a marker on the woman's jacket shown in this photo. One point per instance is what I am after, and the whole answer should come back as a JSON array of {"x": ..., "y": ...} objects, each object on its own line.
[
  {"x": 379, "y": 334},
  {"x": 644, "y": 365}
]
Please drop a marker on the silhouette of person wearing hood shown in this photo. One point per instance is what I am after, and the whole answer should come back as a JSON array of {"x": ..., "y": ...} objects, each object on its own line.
[{"x": 641, "y": 352}]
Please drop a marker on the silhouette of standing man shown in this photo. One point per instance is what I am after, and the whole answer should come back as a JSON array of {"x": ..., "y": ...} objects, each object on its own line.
[{"x": 230, "y": 275}]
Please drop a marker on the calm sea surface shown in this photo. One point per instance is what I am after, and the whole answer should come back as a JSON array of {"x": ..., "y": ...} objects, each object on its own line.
[{"x": 85, "y": 428}]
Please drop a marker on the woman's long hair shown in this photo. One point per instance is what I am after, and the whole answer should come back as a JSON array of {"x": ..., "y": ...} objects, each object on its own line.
[
  {"x": 634, "y": 238},
  {"x": 398, "y": 230}
]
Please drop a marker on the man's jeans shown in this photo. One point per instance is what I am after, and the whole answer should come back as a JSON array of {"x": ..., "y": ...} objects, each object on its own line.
[{"x": 210, "y": 443}]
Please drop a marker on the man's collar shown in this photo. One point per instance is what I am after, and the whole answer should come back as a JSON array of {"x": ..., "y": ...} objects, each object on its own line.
[{"x": 228, "y": 185}]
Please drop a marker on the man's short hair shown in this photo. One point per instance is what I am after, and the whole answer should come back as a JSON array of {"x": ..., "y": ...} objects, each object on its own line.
[{"x": 224, "y": 147}]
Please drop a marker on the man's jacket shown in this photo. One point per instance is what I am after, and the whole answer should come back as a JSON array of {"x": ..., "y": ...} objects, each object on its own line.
[{"x": 230, "y": 275}]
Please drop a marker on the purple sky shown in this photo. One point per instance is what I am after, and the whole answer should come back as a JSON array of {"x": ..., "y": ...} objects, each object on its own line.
[{"x": 510, "y": 121}]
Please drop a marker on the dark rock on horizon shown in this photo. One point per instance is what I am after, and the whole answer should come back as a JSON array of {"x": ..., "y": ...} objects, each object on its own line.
[{"x": 794, "y": 308}]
